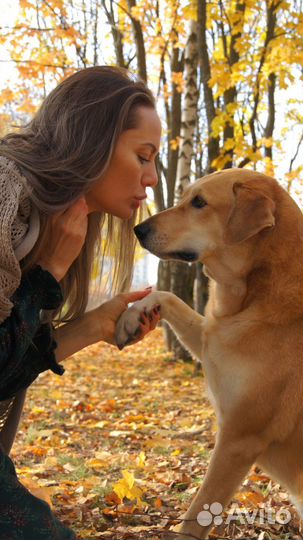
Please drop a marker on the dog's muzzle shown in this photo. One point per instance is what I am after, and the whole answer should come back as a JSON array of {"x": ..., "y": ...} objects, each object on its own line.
[{"x": 157, "y": 244}]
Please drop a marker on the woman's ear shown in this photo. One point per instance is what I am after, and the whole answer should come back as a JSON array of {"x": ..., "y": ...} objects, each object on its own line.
[{"x": 252, "y": 212}]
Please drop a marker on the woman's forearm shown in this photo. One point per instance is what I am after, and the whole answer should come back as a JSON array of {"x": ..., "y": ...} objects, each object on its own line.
[
  {"x": 74, "y": 336},
  {"x": 98, "y": 325}
]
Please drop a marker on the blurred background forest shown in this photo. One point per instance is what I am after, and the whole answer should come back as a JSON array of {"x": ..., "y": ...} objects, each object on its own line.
[{"x": 227, "y": 75}]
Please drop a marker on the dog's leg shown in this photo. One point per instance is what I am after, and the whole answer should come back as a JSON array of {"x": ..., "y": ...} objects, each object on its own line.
[
  {"x": 186, "y": 323},
  {"x": 230, "y": 462}
]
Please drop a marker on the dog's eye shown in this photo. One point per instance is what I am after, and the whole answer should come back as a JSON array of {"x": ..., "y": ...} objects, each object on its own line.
[{"x": 198, "y": 202}]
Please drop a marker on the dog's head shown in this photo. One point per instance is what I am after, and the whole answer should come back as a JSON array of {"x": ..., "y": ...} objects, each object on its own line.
[{"x": 218, "y": 211}]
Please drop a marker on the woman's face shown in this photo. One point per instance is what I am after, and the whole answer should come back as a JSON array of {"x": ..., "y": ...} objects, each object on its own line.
[{"x": 132, "y": 169}]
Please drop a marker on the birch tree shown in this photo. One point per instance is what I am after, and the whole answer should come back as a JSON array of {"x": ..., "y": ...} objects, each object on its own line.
[
  {"x": 179, "y": 272},
  {"x": 189, "y": 111}
]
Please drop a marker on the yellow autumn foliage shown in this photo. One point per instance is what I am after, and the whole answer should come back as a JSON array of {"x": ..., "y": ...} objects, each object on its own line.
[{"x": 126, "y": 488}]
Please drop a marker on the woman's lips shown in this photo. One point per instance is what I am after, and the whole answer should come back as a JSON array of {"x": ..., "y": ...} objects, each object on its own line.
[{"x": 138, "y": 200}]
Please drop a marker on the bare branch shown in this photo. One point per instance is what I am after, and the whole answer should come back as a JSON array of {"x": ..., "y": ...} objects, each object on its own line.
[
  {"x": 35, "y": 63},
  {"x": 293, "y": 159}
]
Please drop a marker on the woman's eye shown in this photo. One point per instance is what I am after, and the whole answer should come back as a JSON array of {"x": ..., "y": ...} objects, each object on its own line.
[
  {"x": 143, "y": 159},
  {"x": 198, "y": 202}
]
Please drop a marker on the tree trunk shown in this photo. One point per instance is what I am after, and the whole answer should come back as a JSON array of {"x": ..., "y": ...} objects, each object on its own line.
[
  {"x": 189, "y": 111},
  {"x": 163, "y": 284},
  {"x": 271, "y": 16},
  {"x": 270, "y": 124},
  {"x": 213, "y": 142},
  {"x": 139, "y": 41},
  {"x": 200, "y": 289},
  {"x": 116, "y": 33},
  {"x": 272, "y": 79},
  {"x": 182, "y": 276},
  {"x": 174, "y": 127},
  {"x": 230, "y": 95}
]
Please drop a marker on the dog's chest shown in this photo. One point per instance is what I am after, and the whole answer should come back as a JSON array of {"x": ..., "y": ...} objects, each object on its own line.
[{"x": 228, "y": 375}]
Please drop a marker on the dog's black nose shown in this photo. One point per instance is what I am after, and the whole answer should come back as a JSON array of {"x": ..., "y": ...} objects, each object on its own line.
[{"x": 142, "y": 230}]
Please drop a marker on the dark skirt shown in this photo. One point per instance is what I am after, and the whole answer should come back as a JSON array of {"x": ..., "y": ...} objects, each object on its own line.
[{"x": 22, "y": 515}]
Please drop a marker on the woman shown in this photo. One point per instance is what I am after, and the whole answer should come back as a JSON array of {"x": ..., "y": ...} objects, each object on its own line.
[{"x": 77, "y": 173}]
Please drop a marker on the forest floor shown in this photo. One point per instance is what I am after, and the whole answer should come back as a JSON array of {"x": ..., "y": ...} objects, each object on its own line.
[{"x": 121, "y": 442}]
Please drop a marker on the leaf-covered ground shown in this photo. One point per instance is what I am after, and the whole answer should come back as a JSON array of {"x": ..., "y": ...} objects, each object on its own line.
[{"x": 137, "y": 423}]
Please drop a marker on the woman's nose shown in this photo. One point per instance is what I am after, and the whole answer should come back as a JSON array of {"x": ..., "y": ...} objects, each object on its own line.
[{"x": 150, "y": 178}]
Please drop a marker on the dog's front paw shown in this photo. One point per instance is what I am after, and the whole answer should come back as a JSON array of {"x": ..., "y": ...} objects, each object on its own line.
[{"x": 129, "y": 325}]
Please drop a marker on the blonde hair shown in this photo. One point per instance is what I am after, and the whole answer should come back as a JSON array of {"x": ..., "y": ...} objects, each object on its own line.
[{"x": 65, "y": 148}]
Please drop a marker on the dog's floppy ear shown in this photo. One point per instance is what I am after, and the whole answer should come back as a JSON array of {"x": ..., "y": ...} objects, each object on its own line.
[{"x": 252, "y": 212}]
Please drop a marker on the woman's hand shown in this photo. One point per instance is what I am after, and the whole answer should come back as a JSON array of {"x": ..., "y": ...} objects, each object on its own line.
[
  {"x": 100, "y": 325},
  {"x": 105, "y": 317},
  {"x": 67, "y": 235}
]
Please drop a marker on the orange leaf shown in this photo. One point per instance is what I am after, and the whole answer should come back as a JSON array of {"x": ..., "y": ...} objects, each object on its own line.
[
  {"x": 110, "y": 405},
  {"x": 251, "y": 497},
  {"x": 112, "y": 498}
]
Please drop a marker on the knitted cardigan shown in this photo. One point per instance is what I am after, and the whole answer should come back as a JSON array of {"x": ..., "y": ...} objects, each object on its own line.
[
  {"x": 27, "y": 342},
  {"x": 19, "y": 230}
]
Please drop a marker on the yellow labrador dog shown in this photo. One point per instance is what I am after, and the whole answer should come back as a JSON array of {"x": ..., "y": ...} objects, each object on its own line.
[{"x": 248, "y": 233}]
